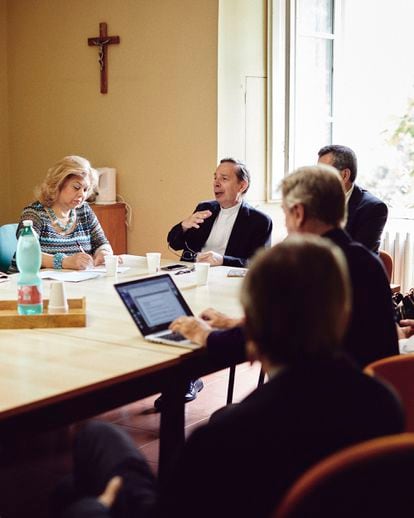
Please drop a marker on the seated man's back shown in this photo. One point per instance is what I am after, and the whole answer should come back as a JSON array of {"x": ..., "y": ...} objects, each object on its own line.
[
  {"x": 372, "y": 332},
  {"x": 246, "y": 458},
  {"x": 367, "y": 216}
]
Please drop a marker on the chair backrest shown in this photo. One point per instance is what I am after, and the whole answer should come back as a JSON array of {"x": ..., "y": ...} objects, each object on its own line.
[
  {"x": 399, "y": 372},
  {"x": 387, "y": 261},
  {"x": 371, "y": 478},
  {"x": 8, "y": 242}
]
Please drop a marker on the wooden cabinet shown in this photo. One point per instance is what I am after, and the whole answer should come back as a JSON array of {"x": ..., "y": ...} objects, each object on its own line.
[{"x": 113, "y": 220}]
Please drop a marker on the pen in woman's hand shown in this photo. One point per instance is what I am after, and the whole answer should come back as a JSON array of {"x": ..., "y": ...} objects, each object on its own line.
[{"x": 80, "y": 247}]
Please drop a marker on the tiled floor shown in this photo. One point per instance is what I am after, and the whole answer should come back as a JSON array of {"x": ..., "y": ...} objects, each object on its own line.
[{"x": 32, "y": 471}]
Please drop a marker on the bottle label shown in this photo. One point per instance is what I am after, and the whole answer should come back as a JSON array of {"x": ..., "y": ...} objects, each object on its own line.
[{"x": 29, "y": 295}]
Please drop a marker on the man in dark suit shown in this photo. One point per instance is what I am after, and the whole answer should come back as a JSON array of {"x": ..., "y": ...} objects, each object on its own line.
[
  {"x": 313, "y": 202},
  {"x": 226, "y": 230},
  {"x": 242, "y": 462},
  {"x": 366, "y": 214}
]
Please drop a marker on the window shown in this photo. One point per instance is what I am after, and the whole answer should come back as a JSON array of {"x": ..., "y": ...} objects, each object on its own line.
[
  {"x": 302, "y": 83},
  {"x": 341, "y": 72}
]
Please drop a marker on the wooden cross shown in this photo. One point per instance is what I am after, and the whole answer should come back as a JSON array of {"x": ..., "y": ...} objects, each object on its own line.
[{"x": 102, "y": 42}]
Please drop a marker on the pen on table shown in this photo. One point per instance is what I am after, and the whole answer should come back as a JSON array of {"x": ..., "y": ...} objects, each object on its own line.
[{"x": 180, "y": 272}]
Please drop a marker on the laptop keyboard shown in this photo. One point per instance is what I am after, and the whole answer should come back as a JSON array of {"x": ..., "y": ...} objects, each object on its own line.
[{"x": 175, "y": 337}]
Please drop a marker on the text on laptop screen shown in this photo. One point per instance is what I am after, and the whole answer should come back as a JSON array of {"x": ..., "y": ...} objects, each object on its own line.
[
  {"x": 153, "y": 302},
  {"x": 156, "y": 302}
]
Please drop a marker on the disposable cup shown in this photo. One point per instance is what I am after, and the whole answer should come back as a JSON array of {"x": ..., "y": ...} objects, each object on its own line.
[
  {"x": 57, "y": 299},
  {"x": 153, "y": 262},
  {"x": 111, "y": 264},
  {"x": 201, "y": 270}
]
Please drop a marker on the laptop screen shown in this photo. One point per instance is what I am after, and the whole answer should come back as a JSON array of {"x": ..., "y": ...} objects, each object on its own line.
[{"x": 153, "y": 302}]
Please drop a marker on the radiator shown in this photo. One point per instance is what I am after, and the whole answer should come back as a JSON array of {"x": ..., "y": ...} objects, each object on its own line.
[{"x": 400, "y": 246}]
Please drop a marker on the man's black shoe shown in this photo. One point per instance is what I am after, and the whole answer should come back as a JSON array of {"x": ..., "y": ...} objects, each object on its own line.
[{"x": 194, "y": 388}]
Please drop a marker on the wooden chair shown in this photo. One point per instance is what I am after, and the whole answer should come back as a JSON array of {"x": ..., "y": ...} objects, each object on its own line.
[
  {"x": 8, "y": 243},
  {"x": 398, "y": 371},
  {"x": 370, "y": 479},
  {"x": 388, "y": 263}
]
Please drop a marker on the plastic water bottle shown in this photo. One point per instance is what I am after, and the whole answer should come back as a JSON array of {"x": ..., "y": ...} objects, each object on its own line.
[{"x": 29, "y": 260}]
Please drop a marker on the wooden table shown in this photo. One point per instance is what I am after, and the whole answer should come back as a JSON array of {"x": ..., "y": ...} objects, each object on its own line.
[{"x": 53, "y": 377}]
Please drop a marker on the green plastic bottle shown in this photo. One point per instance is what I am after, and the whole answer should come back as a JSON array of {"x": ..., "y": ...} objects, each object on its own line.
[{"x": 29, "y": 260}]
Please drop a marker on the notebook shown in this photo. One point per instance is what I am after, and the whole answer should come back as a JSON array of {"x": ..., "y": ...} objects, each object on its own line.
[{"x": 154, "y": 302}]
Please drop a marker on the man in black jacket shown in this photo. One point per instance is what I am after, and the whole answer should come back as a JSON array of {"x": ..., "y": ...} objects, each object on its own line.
[
  {"x": 366, "y": 214},
  {"x": 226, "y": 230}
]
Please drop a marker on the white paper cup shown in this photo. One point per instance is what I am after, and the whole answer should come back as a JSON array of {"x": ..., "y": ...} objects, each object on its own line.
[
  {"x": 153, "y": 262},
  {"x": 201, "y": 270},
  {"x": 57, "y": 299},
  {"x": 111, "y": 265}
]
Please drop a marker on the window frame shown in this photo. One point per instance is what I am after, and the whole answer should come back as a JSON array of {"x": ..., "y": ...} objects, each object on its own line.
[{"x": 281, "y": 96}]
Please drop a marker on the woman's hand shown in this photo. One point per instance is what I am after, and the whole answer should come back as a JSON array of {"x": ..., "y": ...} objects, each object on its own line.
[
  {"x": 99, "y": 257},
  {"x": 79, "y": 261}
]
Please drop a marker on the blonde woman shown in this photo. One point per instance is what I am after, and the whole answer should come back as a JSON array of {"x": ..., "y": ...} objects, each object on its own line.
[{"x": 70, "y": 234}]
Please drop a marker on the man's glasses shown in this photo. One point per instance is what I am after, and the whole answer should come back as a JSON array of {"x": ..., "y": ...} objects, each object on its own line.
[{"x": 187, "y": 255}]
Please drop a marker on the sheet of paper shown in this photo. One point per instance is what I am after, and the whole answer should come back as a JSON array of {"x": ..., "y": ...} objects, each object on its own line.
[
  {"x": 134, "y": 261},
  {"x": 102, "y": 269},
  {"x": 77, "y": 276}
]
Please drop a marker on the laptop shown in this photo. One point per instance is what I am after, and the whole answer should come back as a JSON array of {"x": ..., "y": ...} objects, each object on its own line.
[{"x": 153, "y": 303}]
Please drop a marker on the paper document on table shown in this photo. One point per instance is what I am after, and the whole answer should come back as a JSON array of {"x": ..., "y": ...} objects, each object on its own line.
[
  {"x": 185, "y": 281},
  {"x": 134, "y": 261},
  {"x": 102, "y": 269},
  {"x": 77, "y": 276}
]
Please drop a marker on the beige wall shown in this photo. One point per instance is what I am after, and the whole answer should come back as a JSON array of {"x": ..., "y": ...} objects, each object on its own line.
[
  {"x": 4, "y": 139},
  {"x": 242, "y": 129},
  {"x": 158, "y": 123},
  {"x": 242, "y": 57}
]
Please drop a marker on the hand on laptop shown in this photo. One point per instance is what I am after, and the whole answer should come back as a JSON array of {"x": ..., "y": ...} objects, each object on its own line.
[
  {"x": 220, "y": 320},
  {"x": 193, "y": 328}
]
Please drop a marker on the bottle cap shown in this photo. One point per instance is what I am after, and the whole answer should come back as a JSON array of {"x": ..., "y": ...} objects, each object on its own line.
[{"x": 27, "y": 223}]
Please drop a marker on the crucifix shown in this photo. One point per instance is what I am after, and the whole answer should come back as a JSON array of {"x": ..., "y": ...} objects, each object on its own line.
[{"x": 102, "y": 42}]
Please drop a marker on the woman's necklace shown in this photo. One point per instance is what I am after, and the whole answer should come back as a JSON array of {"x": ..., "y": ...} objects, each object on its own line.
[{"x": 58, "y": 223}]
